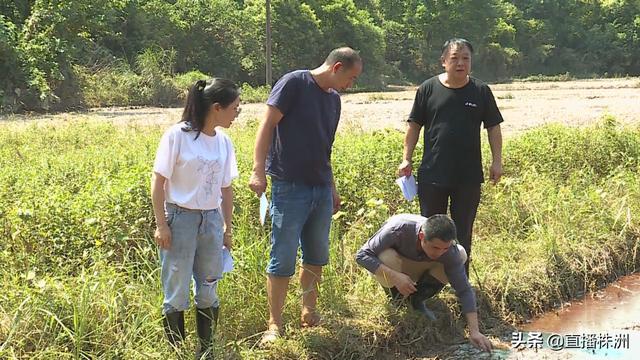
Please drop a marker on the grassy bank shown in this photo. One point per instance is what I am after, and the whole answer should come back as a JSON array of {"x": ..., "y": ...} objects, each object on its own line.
[{"x": 80, "y": 269}]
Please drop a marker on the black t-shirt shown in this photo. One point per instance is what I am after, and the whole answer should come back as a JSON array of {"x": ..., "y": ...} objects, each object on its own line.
[{"x": 451, "y": 118}]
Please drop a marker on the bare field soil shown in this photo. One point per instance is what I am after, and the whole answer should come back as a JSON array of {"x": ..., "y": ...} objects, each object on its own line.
[{"x": 523, "y": 104}]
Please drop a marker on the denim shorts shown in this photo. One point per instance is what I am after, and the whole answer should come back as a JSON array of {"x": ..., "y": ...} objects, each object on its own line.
[
  {"x": 195, "y": 253},
  {"x": 300, "y": 216}
]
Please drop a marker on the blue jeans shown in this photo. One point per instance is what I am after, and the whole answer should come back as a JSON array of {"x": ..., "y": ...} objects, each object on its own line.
[
  {"x": 195, "y": 252},
  {"x": 300, "y": 216}
]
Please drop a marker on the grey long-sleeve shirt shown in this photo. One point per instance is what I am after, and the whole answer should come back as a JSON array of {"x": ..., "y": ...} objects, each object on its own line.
[{"x": 400, "y": 233}]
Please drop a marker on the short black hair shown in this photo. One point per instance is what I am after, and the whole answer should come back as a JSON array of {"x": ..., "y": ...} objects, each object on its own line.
[
  {"x": 439, "y": 226},
  {"x": 456, "y": 42},
  {"x": 346, "y": 55}
]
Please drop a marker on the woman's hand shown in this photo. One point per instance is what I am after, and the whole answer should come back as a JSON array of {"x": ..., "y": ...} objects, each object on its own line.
[
  {"x": 228, "y": 239},
  {"x": 162, "y": 236}
]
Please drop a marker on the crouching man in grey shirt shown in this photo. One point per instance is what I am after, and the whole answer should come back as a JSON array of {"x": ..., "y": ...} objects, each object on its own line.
[{"x": 416, "y": 256}]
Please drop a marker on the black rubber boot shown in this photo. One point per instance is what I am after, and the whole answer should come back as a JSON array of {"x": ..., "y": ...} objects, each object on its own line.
[
  {"x": 427, "y": 287},
  {"x": 394, "y": 295},
  {"x": 174, "y": 327},
  {"x": 206, "y": 322}
]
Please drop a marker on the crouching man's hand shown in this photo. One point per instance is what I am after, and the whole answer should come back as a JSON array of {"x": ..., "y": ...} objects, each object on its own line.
[
  {"x": 405, "y": 285},
  {"x": 475, "y": 336},
  {"x": 480, "y": 341}
]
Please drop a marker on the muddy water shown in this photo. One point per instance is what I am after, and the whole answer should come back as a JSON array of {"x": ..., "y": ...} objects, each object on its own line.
[
  {"x": 615, "y": 307},
  {"x": 603, "y": 325}
]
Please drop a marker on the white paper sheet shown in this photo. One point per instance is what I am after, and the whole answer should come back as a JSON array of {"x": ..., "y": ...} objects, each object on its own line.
[
  {"x": 264, "y": 205},
  {"x": 408, "y": 186},
  {"x": 227, "y": 260}
]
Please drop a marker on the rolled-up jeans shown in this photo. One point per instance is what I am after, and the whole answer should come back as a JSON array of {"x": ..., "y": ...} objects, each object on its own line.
[
  {"x": 300, "y": 218},
  {"x": 195, "y": 253},
  {"x": 415, "y": 269}
]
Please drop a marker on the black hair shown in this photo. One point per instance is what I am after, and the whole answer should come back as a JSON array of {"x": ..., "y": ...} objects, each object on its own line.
[
  {"x": 439, "y": 226},
  {"x": 200, "y": 98},
  {"x": 346, "y": 55},
  {"x": 456, "y": 42}
]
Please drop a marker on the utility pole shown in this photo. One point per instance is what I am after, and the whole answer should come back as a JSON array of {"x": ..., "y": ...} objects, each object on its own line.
[{"x": 268, "y": 45}]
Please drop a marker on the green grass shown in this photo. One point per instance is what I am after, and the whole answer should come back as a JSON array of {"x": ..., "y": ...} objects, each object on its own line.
[
  {"x": 507, "y": 96},
  {"x": 379, "y": 97},
  {"x": 541, "y": 78},
  {"x": 80, "y": 274},
  {"x": 254, "y": 94}
]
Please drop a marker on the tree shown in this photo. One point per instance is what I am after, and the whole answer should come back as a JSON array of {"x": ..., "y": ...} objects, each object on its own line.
[
  {"x": 10, "y": 65},
  {"x": 343, "y": 24}
]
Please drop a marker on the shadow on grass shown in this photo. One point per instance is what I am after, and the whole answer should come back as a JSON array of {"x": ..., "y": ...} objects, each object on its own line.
[
  {"x": 446, "y": 337},
  {"x": 400, "y": 333}
]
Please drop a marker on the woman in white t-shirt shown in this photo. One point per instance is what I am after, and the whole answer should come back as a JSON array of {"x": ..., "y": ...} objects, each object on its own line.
[{"x": 192, "y": 201}]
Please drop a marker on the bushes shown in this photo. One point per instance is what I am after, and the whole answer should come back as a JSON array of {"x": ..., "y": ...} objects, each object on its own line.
[
  {"x": 112, "y": 86},
  {"x": 155, "y": 67},
  {"x": 9, "y": 65},
  {"x": 256, "y": 94},
  {"x": 118, "y": 85},
  {"x": 186, "y": 80},
  {"x": 399, "y": 40}
]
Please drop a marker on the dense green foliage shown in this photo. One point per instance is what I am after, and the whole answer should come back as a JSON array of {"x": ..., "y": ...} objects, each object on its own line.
[
  {"x": 57, "y": 54},
  {"x": 80, "y": 272}
]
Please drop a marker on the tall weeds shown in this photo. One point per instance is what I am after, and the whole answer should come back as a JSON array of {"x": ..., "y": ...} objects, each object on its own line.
[{"x": 80, "y": 276}]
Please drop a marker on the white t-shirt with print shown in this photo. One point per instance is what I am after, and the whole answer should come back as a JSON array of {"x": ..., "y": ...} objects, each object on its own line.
[{"x": 196, "y": 170}]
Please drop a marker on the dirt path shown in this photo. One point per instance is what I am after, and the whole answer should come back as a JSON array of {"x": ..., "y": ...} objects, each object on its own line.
[{"x": 524, "y": 105}]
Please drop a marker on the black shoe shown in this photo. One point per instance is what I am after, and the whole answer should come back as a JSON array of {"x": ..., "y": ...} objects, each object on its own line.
[
  {"x": 427, "y": 287},
  {"x": 174, "y": 327},
  {"x": 394, "y": 295},
  {"x": 206, "y": 322},
  {"x": 417, "y": 303}
]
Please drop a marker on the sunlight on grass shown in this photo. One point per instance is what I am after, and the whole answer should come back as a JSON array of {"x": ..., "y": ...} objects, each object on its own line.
[{"x": 80, "y": 274}]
